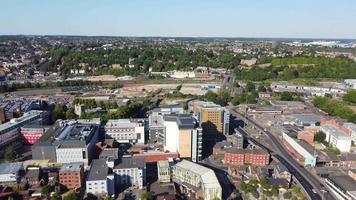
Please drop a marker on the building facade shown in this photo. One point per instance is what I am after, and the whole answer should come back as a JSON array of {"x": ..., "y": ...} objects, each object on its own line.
[
  {"x": 72, "y": 175},
  {"x": 236, "y": 156},
  {"x": 126, "y": 130},
  {"x": 130, "y": 172},
  {"x": 100, "y": 180},
  {"x": 164, "y": 171}
]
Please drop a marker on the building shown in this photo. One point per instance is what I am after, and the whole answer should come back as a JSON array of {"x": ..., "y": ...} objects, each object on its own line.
[
  {"x": 300, "y": 149},
  {"x": 336, "y": 138},
  {"x": 164, "y": 171},
  {"x": 126, "y": 130},
  {"x": 351, "y": 127},
  {"x": 237, "y": 139},
  {"x": 197, "y": 180},
  {"x": 130, "y": 172},
  {"x": 100, "y": 180},
  {"x": 155, "y": 156},
  {"x": 306, "y": 90},
  {"x": 350, "y": 83},
  {"x": 71, "y": 175},
  {"x": 68, "y": 141},
  {"x": 343, "y": 187},
  {"x": 32, "y": 132},
  {"x": 10, "y": 173},
  {"x": 213, "y": 119},
  {"x": 9, "y": 132},
  {"x": 79, "y": 109},
  {"x": 234, "y": 156},
  {"x": 306, "y": 136},
  {"x": 181, "y": 136}
]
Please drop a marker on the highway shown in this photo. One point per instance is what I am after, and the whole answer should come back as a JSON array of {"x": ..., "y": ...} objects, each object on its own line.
[{"x": 304, "y": 177}]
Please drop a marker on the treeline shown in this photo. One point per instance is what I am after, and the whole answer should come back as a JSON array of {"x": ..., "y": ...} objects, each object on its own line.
[
  {"x": 321, "y": 67},
  {"x": 158, "y": 58},
  {"x": 91, "y": 103},
  {"x": 335, "y": 108}
]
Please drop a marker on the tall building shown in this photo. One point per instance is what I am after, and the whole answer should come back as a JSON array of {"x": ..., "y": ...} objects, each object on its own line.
[
  {"x": 213, "y": 119},
  {"x": 191, "y": 176},
  {"x": 68, "y": 141},
  {"x": 126, "y": 130},
  {"x": 71, "y": 175},
  {"x": 181, "y": 135}
]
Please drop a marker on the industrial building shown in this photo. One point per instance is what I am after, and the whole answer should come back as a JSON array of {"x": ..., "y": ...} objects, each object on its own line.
[
  {"x": 126, "y": 130},
  {"x": 197, "y": 180},
  {"x": 68, "y": 141},
  {"x": 300, "y": 149}
]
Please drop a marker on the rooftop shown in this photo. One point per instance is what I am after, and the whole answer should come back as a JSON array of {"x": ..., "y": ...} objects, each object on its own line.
[
  {"x": 129, "y": 162},
  {"x": 98, "y": 170},
  {"x": 306, "y": 118},
  {"x": 12, "y": 168},
  {"x": 124, "y": 123},
  {"x": 163, "y": 163},
  {"x": 15, "y": 121},
  {"x": 350, "y": 126},
  {"x": 336, "y": 132},
  {"x": 184, "y": 121},
  {"x": 71, "y": 167},
  {"x": 345, "y": 182}
]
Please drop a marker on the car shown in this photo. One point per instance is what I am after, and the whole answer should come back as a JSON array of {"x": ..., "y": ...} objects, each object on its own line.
[{"x": 314, "y": 190}]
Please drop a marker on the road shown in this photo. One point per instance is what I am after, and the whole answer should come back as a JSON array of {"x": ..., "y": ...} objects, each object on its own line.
[{"x": 305, "y": 178}]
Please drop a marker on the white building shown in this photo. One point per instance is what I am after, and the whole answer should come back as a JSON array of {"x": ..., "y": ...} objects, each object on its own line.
[
  {"x": 126, "y": 130},
  {"x": 99, "y": 181},
  {"x": 164, "y": 171},
  {"x": 350, "y": 83},
  {"x": 352, "y": 130},
  {"x": 130, "y": 172},
  {"x": 337, "y": 138},
  {"x": 201, "y": 178},
  {"x": 9, "y": 172},
  {"x": 307, "y": 90}
]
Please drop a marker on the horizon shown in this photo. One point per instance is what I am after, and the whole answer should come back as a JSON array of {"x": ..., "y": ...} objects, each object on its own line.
[{"x": 319, "y": 19}]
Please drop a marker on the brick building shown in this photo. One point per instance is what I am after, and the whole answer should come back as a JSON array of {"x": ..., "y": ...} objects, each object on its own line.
[
  {"x": 71, "y": 175},
  {"x": 246, "y": 156}
]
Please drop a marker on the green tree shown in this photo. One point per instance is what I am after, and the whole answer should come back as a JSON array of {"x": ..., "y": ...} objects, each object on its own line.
[
  {"x": 46, "y": 190},
  {"x": 10, "y": 154},
  {"x": 264, "y": 183},
  {"x": 287, "y": 195},
  {"x": 55, "y": 196},
  {"x": 210, "y": 96},
  {"x": 250, "y": 86},
  {"x": 262, "y": 88},
  {"x": 275, "y": 191},
  {"x": 350, "y": 96},
  {"x": 319, "y": 137},
  {"x": 70, "y": 196},
  {"x": 70, "y": 114},
  {"x": 146, "y": 196}
]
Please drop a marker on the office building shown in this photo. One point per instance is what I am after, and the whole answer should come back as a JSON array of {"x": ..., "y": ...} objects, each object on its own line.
[
  {"x": 126, "y": 130},
  {"x": 130, "y": 172},
  {"x": 100, "y": 180},
  {"x": 71, "y": 175},
  {"x": 68, "y": 141},
  {"x": 336, "y": 138},
  {"x": 213, "y": 119},
  {"x": 197, "y": 180},
  {"x": 181, "y": 136}
]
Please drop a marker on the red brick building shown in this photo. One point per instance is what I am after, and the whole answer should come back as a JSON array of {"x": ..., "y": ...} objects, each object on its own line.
[
  {"x": 246, "y": 156},
  {"x": 72, "y": 175}
]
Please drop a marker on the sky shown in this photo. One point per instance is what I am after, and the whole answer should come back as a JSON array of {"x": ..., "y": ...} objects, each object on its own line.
[{"x": 181, "y": 18}]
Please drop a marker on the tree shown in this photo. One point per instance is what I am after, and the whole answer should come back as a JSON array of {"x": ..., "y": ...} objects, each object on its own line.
[
  {"x": 70, "y": 114},
  {"x": 264, "y": 183},
  {"x": 320, "y": 137},
  {"x": 350, "y": 96},
  {"x": 107, "y": 197},
  {"x": 46, "y": 190},
  {"x": 275, "y": 190},
  {"x": 55, "y": 196},
  {"x": 70, "y": 196},
  {"x": 211, "y": 96},
  {"x": 262, "y": 88},
  {"x": 287, "y": 195},
  {"x": 10, "y": 154},
  {"x": 146, "y": 196},
  {"x": 250, "y": 86}
]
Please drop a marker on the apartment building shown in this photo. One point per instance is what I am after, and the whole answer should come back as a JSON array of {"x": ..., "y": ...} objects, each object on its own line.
[
  {"x": 213, "y": 119},
  {"x": 197, "y": 180},
  {"x": 71, "y": 175},
  {"x": 130, "y": 172},
  {"x": 256, "y": 157},
  {"x": 126, "y": 130},
  {"x": 100, "y": 180}
]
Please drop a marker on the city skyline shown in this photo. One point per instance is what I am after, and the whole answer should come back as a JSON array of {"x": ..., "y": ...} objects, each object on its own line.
[{"x": 255, "y": 19}]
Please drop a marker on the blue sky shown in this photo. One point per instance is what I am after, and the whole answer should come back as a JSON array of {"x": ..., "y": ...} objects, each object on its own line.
[{"x": 208, "y": 18}]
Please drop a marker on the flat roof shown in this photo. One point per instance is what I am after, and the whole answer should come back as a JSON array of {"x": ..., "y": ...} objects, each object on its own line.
[
  {"x": 163, "y": 163},
  {"x": 131, "y": 123},
  {"x": 10, "y": 168},
  {"x": 350, "y": 126},
  {"x": 306, "y": 118},
  {"x": 336, "y": 132},
  {"x": 71, "y": 167},
  {"x": 15, "y": 121}
]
